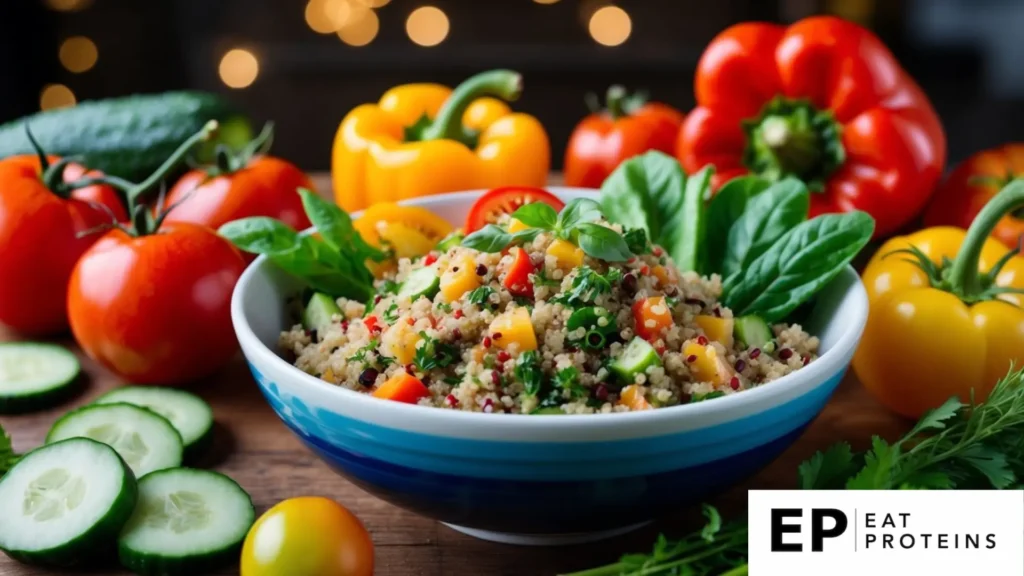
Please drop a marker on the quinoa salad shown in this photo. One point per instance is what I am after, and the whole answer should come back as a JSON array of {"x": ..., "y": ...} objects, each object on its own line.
[{"x": 540, "y": 326}]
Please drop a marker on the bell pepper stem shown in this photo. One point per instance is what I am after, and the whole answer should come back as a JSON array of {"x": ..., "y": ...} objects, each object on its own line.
[
  {"x": 504, "y": 84},
  {"x": 964, "y": 277},
  {"x": 795, "y": 150}
]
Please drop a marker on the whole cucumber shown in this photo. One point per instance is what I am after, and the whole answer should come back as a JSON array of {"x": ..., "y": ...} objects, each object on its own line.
[{"x": 128, "y": 136}]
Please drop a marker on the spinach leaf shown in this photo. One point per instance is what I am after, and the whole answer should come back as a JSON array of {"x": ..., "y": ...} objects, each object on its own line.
[
  {"x": 602, "y": 242},
  {"x": 642, "y": 191},
  {"x": 794, "y": 268},
  {"x": 577, "y": 212},
  {"x": 725, "y": 208},
  {"x": 767, "y": 217},
  {"x": 683, "y": 231},
  {"x": 260, "y": 235},
  {"x": 493, "y": 238}
]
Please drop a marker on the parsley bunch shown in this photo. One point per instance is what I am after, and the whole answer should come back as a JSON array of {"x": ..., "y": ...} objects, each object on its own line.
[
  {"x": 576, "y": 223},
  {"x": 956, "y": 446}
]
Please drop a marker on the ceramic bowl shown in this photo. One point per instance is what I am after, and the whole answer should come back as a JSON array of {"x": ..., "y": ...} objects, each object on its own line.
[{"x": 541, "y": 479}]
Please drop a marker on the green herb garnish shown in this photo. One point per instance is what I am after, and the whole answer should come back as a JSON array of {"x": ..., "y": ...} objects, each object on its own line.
[
  {"x": 586, "y": 286},
  {"x": 480, "y": 296},
  {"x": 334, "y": 263},
  {"x": 528, "y": 371},
  {"x": 391, "y": 314},
  {"x": 636, "y": 241},
  {"x": 444, "y": 307},
  {"x": 706, "y": 396},
  {"x": 360, "y": 355},
  {"x": 569, "y": 379},
  {"x": 433, "y": 354}
]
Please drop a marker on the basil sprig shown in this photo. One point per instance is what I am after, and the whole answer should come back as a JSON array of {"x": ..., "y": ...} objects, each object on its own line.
[
  {"x": 333, "y": 262},
  {"x": 576, "y": 223}
]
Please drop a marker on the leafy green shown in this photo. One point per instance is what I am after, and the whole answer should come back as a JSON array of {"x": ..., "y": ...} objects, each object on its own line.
[
  {"x": 493, "y": 238},
  {"x": 636, "y": 241},
  {"x": 601, "y": 242},
  {"x": 480, "y": 296},
  {"x": 569, "y": 379},
  {"x": 334, "y": 262},
  {"x": 768, "y": 216},
  {"x": 586, "y": 286},
  {"x": 683, "y": 233},
  {"x": 724, "y": 209},
  {"x": 7, "y": 456},
  {"x": 360, "y": 355},
  {"x": 391, "y": 313},
  {"x": 432, "y": 353},
  {"x": 529, "y": 373},
  {"x": 828, "y": 470},
  {"x": 537, "y": 215},
  {"x": 796, "y": 266}
]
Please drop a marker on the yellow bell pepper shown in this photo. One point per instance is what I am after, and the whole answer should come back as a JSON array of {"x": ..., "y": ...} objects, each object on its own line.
[
  {"x": 633, "y": 397},
  {"x": 460, "y": 277},
  {"x": 705, "y": 364},
  {"x": 423, "y": 139},
  {"x": 567, "y": 255},
  {"x": 515, "y": 327},
  {"x": 945, "y": 313},
  {"x": 715, "y": 328}
]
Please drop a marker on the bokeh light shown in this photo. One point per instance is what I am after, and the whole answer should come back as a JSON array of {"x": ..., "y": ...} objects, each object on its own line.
[
  {"x": 78, "y": 54},
  {"x": 329, "y": 16},
  {"x": 239, "y": 68},
  {"x": 545, "y": 1},
  {"x": 68, "y": 5},
  {"x": 56, "y": 96},
  {"x": 610, "y": 26},
  {"x": 427, "y": 26},
  {"x": 361, "y": 30}
]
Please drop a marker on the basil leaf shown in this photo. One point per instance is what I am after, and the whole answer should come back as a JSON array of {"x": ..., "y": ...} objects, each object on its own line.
[
  {"x": 537, "y": 215},
  {"x": 602, "y": 242},
  {"x": 683, "y": 232},
  {"x": 642, "y": 191},
  {"x": 260, "y": 235},
  {"x": 767, "y": 217},
  {"x": 492, "y": 238},
  {"x": 725, "y": 208},
  {"x": 331, "y": 222},
  {"x": 578, "y": 211},
  {"x": 794, "y": 268}
]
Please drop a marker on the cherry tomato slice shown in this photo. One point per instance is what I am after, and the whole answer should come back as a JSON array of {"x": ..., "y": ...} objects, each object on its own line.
[{"x": 506, "y": 200}]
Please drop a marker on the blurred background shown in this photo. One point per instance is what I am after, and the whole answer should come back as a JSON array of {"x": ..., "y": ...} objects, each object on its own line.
[{"x": 305, "y": 63}]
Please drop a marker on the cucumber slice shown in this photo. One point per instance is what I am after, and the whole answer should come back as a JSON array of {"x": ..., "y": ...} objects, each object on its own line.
[
  {"x": 189, "y": 415},
  {"x": 35, "y": 375},
  {"x": 319, "y": 312},
  {"x": 145, "y": 440},
  {"x": 638, "y": 356},
  {"x": 753, "y": 332},
  {"x": 187, "y": 521},
  {"x": 422, "y": 282},
  {"x": 63, "y": 504},
  {"x": 450, "y": 241}
]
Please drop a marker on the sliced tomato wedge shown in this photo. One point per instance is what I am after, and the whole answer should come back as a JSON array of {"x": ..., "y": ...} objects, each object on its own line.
[{"x": 506, "y": 200}]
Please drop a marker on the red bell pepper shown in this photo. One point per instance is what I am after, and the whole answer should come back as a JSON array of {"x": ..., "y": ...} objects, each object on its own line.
[
  {"x": 517, "y": 281},
  {"x": 972, "y": 184},
  {"x": 629, "y": 126},
  {"x": 823, "y": 100}
]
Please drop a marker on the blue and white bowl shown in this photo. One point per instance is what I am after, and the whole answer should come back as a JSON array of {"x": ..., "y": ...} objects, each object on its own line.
[{"x": 541, "y": 479}]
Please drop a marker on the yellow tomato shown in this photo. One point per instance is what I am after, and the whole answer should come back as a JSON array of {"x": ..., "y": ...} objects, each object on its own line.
[{"x": 307, "y": 536}]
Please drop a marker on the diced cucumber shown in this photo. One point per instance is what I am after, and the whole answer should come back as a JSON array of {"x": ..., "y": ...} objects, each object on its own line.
[
  {"x": 35, "y": 375},
  {"x": 188, "y": 413},
  {"x": 422, "y": 282},
  {"x": 637, "y": 357},
  {"x": 64, "y": 504},
  {"x": 187, "y": 521},
  {"x": 450, "y": 241},
  {"x": 144, "y": 439},
  {"x": 319, "y": 311},
  {"x": 753, "y": 332}
]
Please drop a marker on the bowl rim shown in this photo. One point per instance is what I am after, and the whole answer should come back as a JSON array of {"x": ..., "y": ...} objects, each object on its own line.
[{"x": 751, "y": 401}]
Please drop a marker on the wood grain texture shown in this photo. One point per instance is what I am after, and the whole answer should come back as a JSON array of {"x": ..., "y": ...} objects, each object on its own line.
[{"x": 254, "y": 447}]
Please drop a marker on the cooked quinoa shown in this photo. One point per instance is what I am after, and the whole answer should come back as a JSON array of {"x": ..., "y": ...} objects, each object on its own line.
[{"x": 451, "y": 341}]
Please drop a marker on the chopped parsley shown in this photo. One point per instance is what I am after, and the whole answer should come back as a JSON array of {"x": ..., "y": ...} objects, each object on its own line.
[
  {"x": 528, "y": 372},
  {"x": 444, "y": 307},
  {"x": 636, "y": 240},
  {"x": 586, "y": 286},
  {"x": 708, "y": 396},
  {"x": 569, "y": 379},
  {"x": 391, "y": 314},
  {"x": 480, "y": 296},
  {"x": 540, "y": 278},
  {"x": 388, "y": 287},
  {"x": 452, "y": 380},
  {"x": 433, "y": 354},
  {"x": 360, "y": 355}
]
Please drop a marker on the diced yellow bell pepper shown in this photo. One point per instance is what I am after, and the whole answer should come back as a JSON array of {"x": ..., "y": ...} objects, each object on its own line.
[
  {"x": 664, "y": 275},
  {"x": 715, "y": 328},
  {"x": 401, "y": 340},
  {"x": 566, "y": 254},
  {"x": 706, "y": 364},
  {"x": 516, "y": 226},
  {"x": 633, "y": 396},
  {"x": 407, "y": 241},
  {"x": 460, "y": 277},
  {"x": 515, "y": 327}
]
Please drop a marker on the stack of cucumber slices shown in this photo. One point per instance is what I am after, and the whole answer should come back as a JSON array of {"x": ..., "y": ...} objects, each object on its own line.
[{"x": 109, "y": 481}]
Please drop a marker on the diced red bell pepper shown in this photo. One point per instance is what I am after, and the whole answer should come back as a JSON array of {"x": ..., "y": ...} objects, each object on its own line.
[{"x": 517, "y": 281}]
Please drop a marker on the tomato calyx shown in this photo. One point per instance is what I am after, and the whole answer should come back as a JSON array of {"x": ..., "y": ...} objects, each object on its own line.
[
  {"x": 227, "y": 162},
  {"x": 793, "y": 138},
  {"x": 618, "y": 102},
  {"x": 960, "y": 276}
]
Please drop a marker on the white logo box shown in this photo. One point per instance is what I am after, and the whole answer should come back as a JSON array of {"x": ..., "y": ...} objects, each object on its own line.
[{"x": 904, "y": 532}]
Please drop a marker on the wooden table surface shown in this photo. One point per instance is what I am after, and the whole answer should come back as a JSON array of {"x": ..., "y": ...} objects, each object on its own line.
[{"x": 254, "y": 447}]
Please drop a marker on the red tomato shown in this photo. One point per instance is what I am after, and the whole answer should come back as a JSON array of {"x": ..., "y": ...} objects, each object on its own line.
[
  {"x": 40, "y": 243},
  {"x": 156, "y": 308},
  {"x": 517, "y": 281},
  {"x": 506, "y": 200},
  {"x": 265, "y": 186}
]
